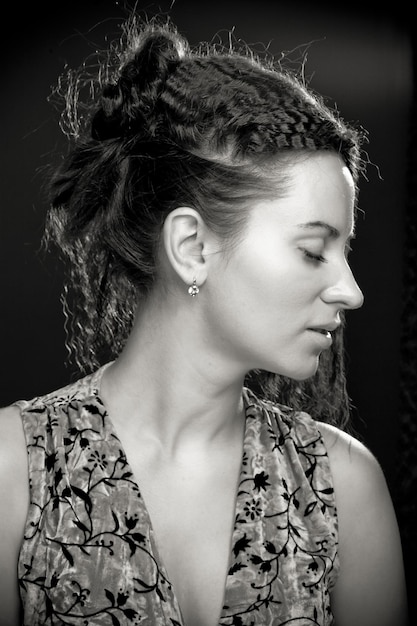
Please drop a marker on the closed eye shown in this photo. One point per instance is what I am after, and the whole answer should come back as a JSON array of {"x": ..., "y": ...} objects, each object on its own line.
[{"x": 317, "y": 258}]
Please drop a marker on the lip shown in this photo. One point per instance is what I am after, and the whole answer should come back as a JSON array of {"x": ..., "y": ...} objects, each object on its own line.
[
  {"x": 324, "y": 333},
  {"x": 331, "y": 327},
  {"x": 324, "y": 338}
]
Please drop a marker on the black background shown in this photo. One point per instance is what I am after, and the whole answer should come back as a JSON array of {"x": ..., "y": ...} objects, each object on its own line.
[{"x": 358, "y": 56}]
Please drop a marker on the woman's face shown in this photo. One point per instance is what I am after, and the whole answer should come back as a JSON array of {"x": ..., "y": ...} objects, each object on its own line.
[{"x": 275, "y": 300}]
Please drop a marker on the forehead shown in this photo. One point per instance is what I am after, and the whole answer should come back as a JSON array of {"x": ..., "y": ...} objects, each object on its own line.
[{"x": 320, "y": 188}]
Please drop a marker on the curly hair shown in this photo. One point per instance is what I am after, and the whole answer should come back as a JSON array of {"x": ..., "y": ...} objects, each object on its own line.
[{"x": 166, "y": 125}]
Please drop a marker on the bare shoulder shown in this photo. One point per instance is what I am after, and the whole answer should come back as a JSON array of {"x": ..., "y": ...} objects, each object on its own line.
[
  {"x": 12, "y": 440},
  {"x": 362, "y": 495},
  {"x": 370, "y": 590},
  {"x": 14, "y": 481},
  {"x": 347, "y": 454},
  {"x": 14, "y": 502}
]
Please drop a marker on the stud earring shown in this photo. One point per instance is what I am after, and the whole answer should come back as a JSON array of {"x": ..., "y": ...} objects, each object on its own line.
[{"x": 193, "y": 289}]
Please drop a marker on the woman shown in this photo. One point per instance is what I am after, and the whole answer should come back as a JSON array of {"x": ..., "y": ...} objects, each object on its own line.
[{"x": 206, "y": 208}]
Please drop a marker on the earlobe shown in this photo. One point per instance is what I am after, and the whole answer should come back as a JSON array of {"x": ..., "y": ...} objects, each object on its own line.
[{"x": 183, "y": 239}]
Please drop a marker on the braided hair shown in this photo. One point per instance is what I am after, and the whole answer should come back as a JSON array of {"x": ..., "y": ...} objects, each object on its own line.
[{"x": 174, "y": 126}]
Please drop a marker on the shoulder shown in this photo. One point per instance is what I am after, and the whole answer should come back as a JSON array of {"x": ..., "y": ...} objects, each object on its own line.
[
  {"x": 358, "y": 479},
  {"x": 12, "y": 440},
  {"x": 346, "y": 451},
  {"x": 19, "y": 419},
  {"x": 13, "y": 457},
  {"x": 14, "y": 504},
  {"x": 356, "y": 471},
  {"x": 371, "y": 586},
  {"x": 61, "y": 400},
  {"x": 297, "y": 428},
  {"x": 357, "y": 475}
]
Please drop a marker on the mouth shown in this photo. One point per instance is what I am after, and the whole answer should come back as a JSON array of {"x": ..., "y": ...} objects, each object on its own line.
[
  {"x": 326, "y": 330},
  {"x": 323, "y": 331}
]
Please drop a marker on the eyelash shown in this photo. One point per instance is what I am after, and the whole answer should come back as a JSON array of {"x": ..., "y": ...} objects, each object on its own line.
[{"x": 314, "y": 257}]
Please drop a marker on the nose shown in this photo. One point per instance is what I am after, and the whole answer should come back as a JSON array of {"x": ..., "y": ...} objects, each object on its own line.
[{"x": 344, "y": 290}]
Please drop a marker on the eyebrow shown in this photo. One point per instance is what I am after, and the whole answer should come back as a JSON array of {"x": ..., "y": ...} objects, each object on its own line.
[{"x": 332, "y": 232}]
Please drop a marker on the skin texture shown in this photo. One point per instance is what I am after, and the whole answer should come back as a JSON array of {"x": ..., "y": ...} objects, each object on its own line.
[
  {"x": 14, "y": 499},
  {"x": 370, "y": 590},
  {"x": 287, "y": 276},
  {"x": 258, "y": 306}
]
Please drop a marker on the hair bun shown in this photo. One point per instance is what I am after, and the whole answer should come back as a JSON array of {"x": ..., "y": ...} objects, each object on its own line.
[
  {"x": 155, "y": 55},
  {"x": 127, "y": 107}
]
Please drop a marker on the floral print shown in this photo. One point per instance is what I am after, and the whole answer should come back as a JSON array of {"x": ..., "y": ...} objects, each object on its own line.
[{"x": 90, "y": 557}]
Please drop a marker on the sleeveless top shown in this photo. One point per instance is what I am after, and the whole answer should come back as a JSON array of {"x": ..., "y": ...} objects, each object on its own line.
[{"x": 90, "y": 556}]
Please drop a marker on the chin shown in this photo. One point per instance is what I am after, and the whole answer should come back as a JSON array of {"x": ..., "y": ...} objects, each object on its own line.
[
  {"x": 297, "y": 371},
  {"x": 302, "y": 373}
]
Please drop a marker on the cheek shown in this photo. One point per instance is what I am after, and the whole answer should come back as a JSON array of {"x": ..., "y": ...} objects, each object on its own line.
[{"x": 281, "y": 282}]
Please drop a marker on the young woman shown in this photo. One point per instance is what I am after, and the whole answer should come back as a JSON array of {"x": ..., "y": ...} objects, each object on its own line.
[{"x": 198, "y": 472}]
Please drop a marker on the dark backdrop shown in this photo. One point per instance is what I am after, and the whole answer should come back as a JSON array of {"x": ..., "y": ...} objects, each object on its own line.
[{"x": 359, "y": 58}]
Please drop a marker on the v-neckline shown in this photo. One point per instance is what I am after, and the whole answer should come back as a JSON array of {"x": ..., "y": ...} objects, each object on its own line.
[{"x": 95, "y": 390}]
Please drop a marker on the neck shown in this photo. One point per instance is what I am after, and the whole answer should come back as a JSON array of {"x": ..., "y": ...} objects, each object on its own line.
[{"x": 169, "y": 386}]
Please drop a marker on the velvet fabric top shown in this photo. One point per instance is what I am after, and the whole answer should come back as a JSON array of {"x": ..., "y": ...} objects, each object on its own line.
[{"x": 90, "y": 556}]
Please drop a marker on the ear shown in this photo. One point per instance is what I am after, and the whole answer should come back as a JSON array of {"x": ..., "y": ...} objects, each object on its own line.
[{"x": 187, "y": 240}]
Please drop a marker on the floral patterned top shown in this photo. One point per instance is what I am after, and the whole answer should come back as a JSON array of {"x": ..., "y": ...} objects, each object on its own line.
[{"x": 89, "y": 555}]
